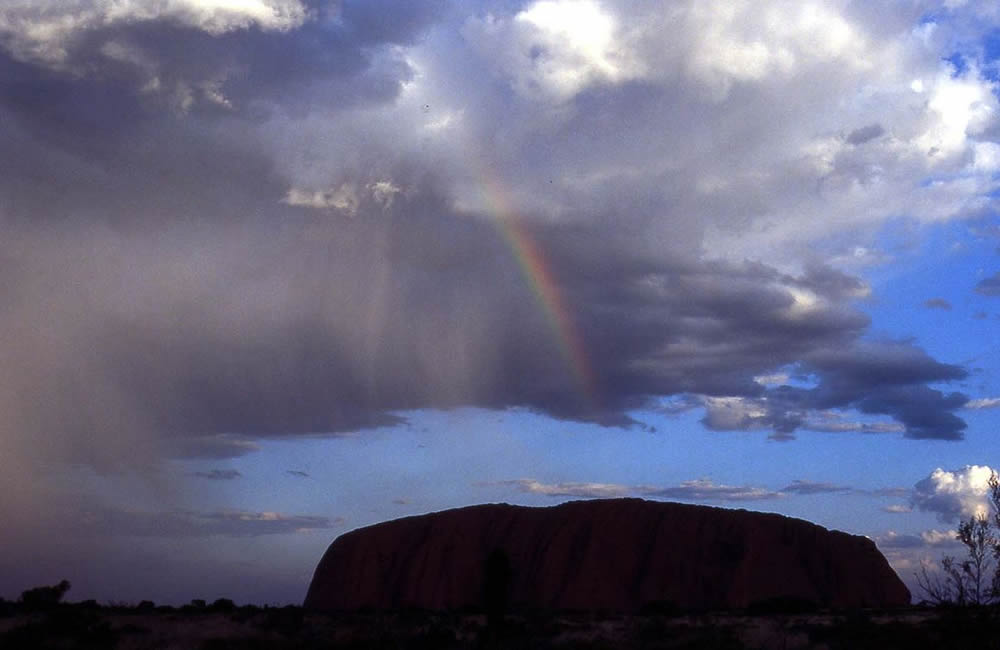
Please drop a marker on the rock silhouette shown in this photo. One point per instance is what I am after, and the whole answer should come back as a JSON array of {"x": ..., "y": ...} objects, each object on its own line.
[{"x": 615, "y": 554}]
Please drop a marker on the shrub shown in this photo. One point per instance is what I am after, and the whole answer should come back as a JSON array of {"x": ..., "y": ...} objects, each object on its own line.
[
  {"x": 43, "y": 597},
  {"x": 223, "y": 605}
]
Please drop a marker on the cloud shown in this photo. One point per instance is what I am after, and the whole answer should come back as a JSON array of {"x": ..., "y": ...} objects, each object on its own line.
[
  {"x": 864, "y": 134},
  {"x": 44, "y": 21},
  {"x": 983, "y": 403},
  {"x": 812, "y": 487},
  {"x": 954, "y": 494},
  {"x": 890, "y": 492},
  {"x": 696, "y": 490},
  {"x": 892, "y": 539},
  {"x": 989, "y": 286},
  {"x": 211, "y": 57},
  {"x": 897, "y": 508},
  {"x": 937, "y": 303},
  {"x": 743, "y": 414},
  {"x": 180, "y": 524},
  {"x": 584, "y": 490},
  {"x": 939, "y": 538},
  {"x": 834, "y": 422},
  {"x": 344, "y": 198},
  {"x": 219, "y": 474},
  {"x": 555, "y": 49},
  {"x": 210, "y": 446},
  {"x": 706, "y": 490},
  {"x": 875, "y": 378},
  {"x": 925, "y": 540}
]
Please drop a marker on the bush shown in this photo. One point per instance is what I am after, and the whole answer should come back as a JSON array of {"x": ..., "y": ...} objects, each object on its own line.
[
  {"x": 44, "y": 597},
  {"x": 223, "y": 605}
]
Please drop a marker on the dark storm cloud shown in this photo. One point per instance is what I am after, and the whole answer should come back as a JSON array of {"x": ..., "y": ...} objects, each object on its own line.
[
  {"x": 890, "y": 378},
  {"x": 163, "y": 59},
  {"x": 199, "y": 339},
  {"x": 989, "y": 286},
  {"x": 374, "y": 22},
  {"x": 706, "y": 327},
  {"x": 872, "y": 377},
  {"x": 153, "y": 119}
]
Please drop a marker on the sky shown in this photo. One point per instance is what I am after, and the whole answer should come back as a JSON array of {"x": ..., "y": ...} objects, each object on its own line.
[{"x": 273, "y": 270}]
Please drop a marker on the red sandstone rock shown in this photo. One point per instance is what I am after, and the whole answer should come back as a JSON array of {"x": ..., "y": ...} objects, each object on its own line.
[{"x": 614, "y": 554}]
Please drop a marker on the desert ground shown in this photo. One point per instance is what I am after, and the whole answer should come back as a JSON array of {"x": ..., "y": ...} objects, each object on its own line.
[{"x": 223, "y": 625}]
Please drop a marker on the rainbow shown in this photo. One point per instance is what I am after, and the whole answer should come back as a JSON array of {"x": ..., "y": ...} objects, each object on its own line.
[{"x": 538, "y": 274}]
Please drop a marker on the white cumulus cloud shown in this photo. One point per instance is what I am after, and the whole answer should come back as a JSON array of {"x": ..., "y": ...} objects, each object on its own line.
[
  {"x": 556, "y": 48},
  {"x": 954, "y": 494}
]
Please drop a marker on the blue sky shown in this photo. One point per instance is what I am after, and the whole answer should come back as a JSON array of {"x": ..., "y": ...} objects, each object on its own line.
[{"x": 277, "y": 269}]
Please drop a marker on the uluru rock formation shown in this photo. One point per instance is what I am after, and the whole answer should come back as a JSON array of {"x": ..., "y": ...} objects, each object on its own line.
[{"x": 613, "y": 554}]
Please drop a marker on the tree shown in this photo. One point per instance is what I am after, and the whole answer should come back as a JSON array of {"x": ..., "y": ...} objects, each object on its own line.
[
  {"x": 979, "y": 570},
  {"x": 975, "y": 580},
  {"x": 944, "y": 586},
  {"x": 995, "y": 508}
]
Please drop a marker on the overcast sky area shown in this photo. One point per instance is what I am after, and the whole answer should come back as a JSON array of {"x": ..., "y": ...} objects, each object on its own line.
[{"x": 272, "y": 270}]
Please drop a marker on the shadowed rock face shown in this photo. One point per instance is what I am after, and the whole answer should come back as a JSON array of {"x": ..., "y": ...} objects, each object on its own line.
[{"x": 615, "y": 554}]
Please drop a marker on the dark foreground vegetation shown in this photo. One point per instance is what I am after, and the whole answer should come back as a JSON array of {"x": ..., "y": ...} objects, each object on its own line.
[
  {"x": 48, "y": 623},
  {"x": 974, "y": 580}
]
